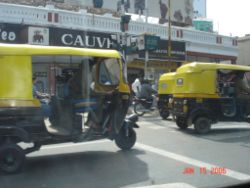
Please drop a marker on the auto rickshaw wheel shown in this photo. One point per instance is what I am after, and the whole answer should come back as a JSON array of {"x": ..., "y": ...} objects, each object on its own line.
[
  {"x": 126, "y": 140},
  {"x": 12, "y": 158},
  {"x": 164, "y": 113},
  {"x": 202, "y": 125},
  {"x": 181, "y": 122}
]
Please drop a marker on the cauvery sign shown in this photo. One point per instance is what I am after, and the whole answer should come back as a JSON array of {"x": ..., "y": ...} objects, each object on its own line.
[{"x": 84, "y": 39}]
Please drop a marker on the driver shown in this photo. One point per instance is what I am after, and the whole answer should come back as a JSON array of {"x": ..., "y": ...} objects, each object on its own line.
[{"x": 242, "y": 89}]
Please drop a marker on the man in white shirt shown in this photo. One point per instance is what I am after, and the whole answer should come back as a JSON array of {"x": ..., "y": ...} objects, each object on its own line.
[{"x": 136, "y": 86}]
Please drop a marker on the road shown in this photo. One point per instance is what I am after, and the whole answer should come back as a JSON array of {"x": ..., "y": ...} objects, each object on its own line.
[{"x": 160, "y": 157}]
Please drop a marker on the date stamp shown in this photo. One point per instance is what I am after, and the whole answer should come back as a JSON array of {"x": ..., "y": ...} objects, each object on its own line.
[{"x": 204, "y": 171}]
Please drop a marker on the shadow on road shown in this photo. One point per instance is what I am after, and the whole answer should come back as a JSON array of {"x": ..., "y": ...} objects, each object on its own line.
[{"x": 84, "y": 169}]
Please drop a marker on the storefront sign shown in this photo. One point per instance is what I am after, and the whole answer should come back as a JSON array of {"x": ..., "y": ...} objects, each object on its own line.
[
  {"x": 84, "y": 39},
  {"x": 178, "y": 51},
  {"x": 38, "y": 35},
  {"x": 148, "y": 42},
  {"x": 11, "y": 33}
]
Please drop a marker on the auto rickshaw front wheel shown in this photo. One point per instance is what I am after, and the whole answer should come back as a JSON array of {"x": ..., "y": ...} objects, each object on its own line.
[
  {"x": 126, "y": 138},
  {"x": 181, "y": 122},
  {"x": 12, "y": 158},
  {"x": 202, "y": 125},
  {"x": 164, "y": 113}
]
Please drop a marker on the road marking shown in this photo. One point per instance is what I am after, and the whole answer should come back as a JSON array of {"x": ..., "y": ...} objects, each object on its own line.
[
  {"x": 73, "y": 144},
  {"x": 150, "y": 125},
  {"x": 168, "y": 185},
  {"x": 194, "y": 162},
  {"x": 155, "y": 127}
]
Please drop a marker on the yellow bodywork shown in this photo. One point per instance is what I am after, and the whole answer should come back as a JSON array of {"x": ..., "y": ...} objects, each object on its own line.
[
  {"x": 166, "y": 83},
  {"x": 16, "y": 70},
  {"x": 199, "y": 80},
  {"x": 16, "y": 82}
]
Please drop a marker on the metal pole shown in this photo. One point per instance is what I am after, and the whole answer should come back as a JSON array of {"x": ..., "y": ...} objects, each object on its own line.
[
  {"x": 124, "y": 38},
  {"x": 169, "y": 29},
  {"x": 146, "y": 64},
  {"x": 146, "y": 51}
]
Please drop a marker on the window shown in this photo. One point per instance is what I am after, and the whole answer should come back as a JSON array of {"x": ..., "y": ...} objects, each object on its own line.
[{"x": 109, "y": 72}]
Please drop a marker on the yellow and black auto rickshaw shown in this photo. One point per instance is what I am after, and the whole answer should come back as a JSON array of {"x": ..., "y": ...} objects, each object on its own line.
[
  {"x": 165, "y": 91},
  {"x": 89, "y": 99},
  {"x": 206, "y": 93}
]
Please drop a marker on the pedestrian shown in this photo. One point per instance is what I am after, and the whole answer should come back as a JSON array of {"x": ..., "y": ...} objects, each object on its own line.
[{"x": 136, "y": 86}]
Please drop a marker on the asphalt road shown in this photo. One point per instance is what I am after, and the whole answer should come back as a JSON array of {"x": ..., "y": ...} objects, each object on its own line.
[{"x": 160, "y": 157}]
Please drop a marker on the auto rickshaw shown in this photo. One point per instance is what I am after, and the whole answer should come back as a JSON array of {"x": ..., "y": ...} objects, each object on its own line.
[
  {"x": 165, "y": 91},
  {"x": 90, "y": 103},
  {"x": 206, "y": 93}
]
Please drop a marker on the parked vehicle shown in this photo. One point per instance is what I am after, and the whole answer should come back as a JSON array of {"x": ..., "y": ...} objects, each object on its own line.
[
  {"x": 206, "y": 93},
  {"x": 165, "y": 91},
  {"x": 96, "y": 85}
]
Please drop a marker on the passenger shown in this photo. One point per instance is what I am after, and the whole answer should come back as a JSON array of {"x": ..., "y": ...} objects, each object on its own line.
[
  {"x": 37, "y": 94},
  {"x": 44, "y": 99}
]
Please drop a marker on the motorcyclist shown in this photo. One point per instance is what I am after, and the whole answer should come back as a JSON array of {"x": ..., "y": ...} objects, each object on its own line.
[{"x": 146, "y": 91}]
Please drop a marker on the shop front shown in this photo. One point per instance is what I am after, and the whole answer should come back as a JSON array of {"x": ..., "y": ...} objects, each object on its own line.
[{"x": 158, "y": 60}]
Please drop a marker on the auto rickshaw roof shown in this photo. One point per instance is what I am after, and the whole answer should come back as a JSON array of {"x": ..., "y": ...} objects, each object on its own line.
[
  {"x": 26, "y": 49},
  {"x": 168, "y": 76},
  {"x": 199, "y": 67}
]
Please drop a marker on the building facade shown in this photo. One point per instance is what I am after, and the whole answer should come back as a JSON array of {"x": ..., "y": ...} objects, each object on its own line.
[
  {"x": 244, "y": 46},
  {"x": 53, "y": 25}
]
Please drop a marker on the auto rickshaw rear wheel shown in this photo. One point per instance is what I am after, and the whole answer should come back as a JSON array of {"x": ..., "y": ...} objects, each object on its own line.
[
  {"x": 12, "y": 158},
  {"x": 181, "y": 122},
  {"x": 126, "y": 140},
  {"x": 202, "y": 125}
]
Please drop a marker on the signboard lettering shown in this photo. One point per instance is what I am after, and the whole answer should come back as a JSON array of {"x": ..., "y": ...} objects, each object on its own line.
[
  {"x": 65, "y": 37},
  {"x": 12, "y": 33},
  {"x": 7, "y": 36},
  {"x": 178, "y": 52}
]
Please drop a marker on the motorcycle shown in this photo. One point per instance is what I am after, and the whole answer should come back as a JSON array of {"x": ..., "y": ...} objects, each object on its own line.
[{"x": 142, "y": 106}]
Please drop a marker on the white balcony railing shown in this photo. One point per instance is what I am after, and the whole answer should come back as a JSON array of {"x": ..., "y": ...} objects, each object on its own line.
[{"x": 10, "y": 13}]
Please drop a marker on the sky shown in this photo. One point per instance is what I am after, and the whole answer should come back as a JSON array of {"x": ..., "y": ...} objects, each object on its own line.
[{"x": 231, "y": 17}]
